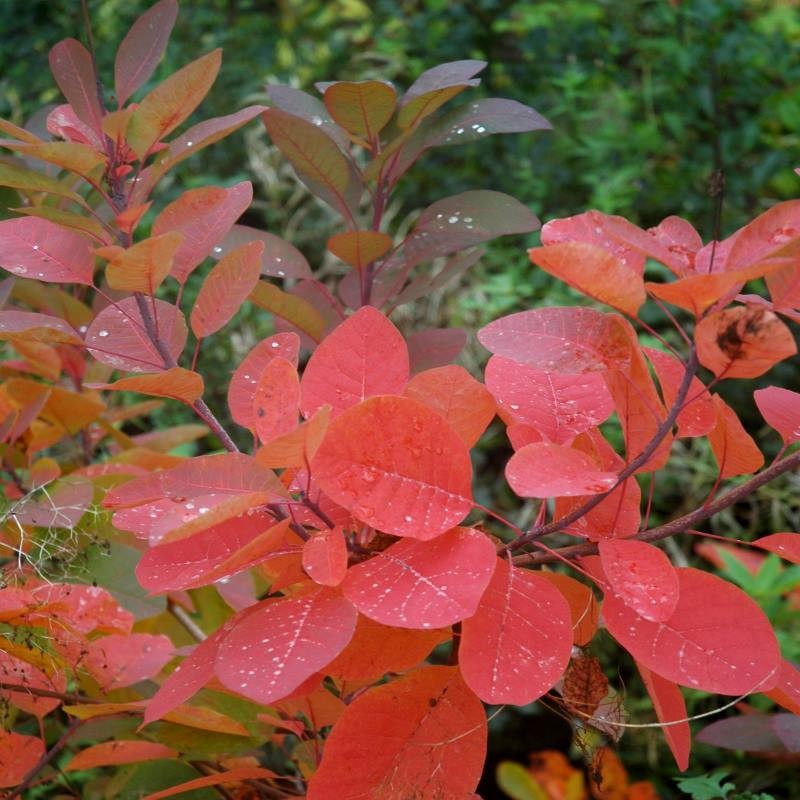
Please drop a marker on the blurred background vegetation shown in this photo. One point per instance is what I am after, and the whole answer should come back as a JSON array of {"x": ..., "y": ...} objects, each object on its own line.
[{"x": 648, "y": 100}]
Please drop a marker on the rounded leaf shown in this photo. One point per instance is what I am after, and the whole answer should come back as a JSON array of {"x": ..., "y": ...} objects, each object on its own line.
[
  {"x": 717, "y": 639},
  {"x": 398, "y": 466},
  {"x": 518, "y": 644},
  {"x": 416, "y": 584}
]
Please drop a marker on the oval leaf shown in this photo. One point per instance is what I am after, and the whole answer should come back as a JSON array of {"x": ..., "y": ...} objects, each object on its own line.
[
  {"x": 280, "y": 643},
  {"x": 225, "y": 288},
  {"x": 365, "y": 356},
  {"x": 781, "y": 409},
  {"x": 717, "y": 639},
  {"x": 551, "y": 470},
  {"x": 359, "y": 248},
  {"x": 177, "y": 383},
  {"x": 424, "y": 585},
  {"x": 518, "y": 644},
  {"x": 641, "y": 576},
  {"x": 361, "y": 107},
  {"x": 118, "y": 336},
  {"x": 398, "y": 466},
  {"x": 432, "y": 731},
  {"x": 325, "y": 557}
]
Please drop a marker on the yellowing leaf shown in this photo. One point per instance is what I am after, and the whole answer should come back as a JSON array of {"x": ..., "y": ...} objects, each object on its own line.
[
  {"x": 177, "y": 383},
  {"x": 359, "y": 248},
  {"x": 143, "y": 267},
  {"x": 289, "y": 307},
  {"x": 362, "y": 108},
  {"x": 171, "y": 102}
]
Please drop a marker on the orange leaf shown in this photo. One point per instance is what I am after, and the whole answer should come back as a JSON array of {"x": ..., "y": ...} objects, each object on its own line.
[
  {"x": 293, "y": 309},
  {"x": 119, "y": 752},
  {"x": 177, "y": 383},
  {"x": 18, "y": 755},
  {"x": 296, "y": 449},
  {"x": 583, "y": 605},
  {"x": 359, "y": 248},
  {"x": 277, "y": 402},
  {"x": 361, "y": 107},
  {"x": 171, "y": 102},
  {"x": 734, "y": 449},
  {"x": 225, "y": 288},
  {"x": 231, "y": 776},
  {"x": 595, "y": 272},
  {"x": 743, "y": 342},
  {"x": 143, "y": 267}
]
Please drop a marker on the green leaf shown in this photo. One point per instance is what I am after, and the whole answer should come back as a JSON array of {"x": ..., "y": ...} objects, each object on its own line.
[
  {"x": 706, "y": 787},
  {"x": 518, "y": 783},
  {"x": 31, "y": 182}
]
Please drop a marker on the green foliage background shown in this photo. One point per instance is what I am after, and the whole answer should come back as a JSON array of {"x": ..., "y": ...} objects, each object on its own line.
[{"x": 648, "y": 100}]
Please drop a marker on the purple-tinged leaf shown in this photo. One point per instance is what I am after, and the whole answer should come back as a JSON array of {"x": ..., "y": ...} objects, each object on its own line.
[
  {"x": 118, "y": 335},
  {"x": 564, "y": 340},
  {"x": 464, "y": 220},
  {"x": 483, "y": 118},
  {"x": 425, "y": 283},
  {"x": 280, "y": 259},
  {"x": 142, "y": 48},
  {"x": 442, "y": 76},
  {"x": 435, "y": 347},
  {"x": 301, "y": 104},
  {"x": 755, "y": 733},
  {"x": 40, "y": 249},
  {"x": 73, "y": 68}
]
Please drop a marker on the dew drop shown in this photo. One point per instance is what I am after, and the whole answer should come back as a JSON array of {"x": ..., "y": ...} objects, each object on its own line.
[
  {"x": 102, "y": 333},
  {"x": 217, "y": 249}
]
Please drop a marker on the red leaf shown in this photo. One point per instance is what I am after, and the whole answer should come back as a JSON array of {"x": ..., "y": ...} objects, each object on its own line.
[
  {"x": 32, "y": 327},
  {"x": 717, "y": 640},
  {"x": 435, "y": 347},
  {"x": 118, "y": 336},
  {"x": 518, "y": 644},
  {"x": 565, "y": 340},
  {"x": 281, "y": 642},
  {"x": 787, "y": 691},
  {"x": 781, "y": 409},
  {"x": 458, "y": 397},
  {"x": 641, "y": 576},
  {"x": 113, "y": 753},
  {"x": 36, "y": 248},
  {"x": 594, "y": 272},
  {"x": 188, "y": 678},
  {"x": 73, "y": 68},
  {"x": 171, "y": 102},
  {"x": 242, "y": 388},
  {"x": 14, "y": 670},
  {"x": 557, "y": 406},
  {"x": 117, "y": 661},
  {"x": 216, "y": 553},
  {"x": 203, "y": 216},
  {"x": 697, "y": 417},
  {"x": 552, "y": 470},
  {"x": 464, "y": 220},
  {"x": 225, "y": 288},
  {"x": 742, "y": 342},
  {"x": 396, "y": 465},
  {"x": 277, "y": 402},
  {"x": 297, "y": 448},
  {"x": 583, "y": 605},
  {"x": 681, "y": 240},
  {"x": 416, "y": 584},
  {"x": 773, "y": 234},
  {"x": 593, "y": 227},
  {"x": 279, "y": 259},
  {"x": 365, "y": 356},
  {"x": 785, "y": 545},
  {"x": 734, "y": 449},
  {"x": 142, "y": 48},
  {"x": 376, "y": 649},
  {"x": 670, "y": 709},
  {"x": 225, "y": 473},
  {"x": 432, "y": 734},
  {"x": 18, "y": 756},
  {"x": 325, "y": 557}
]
